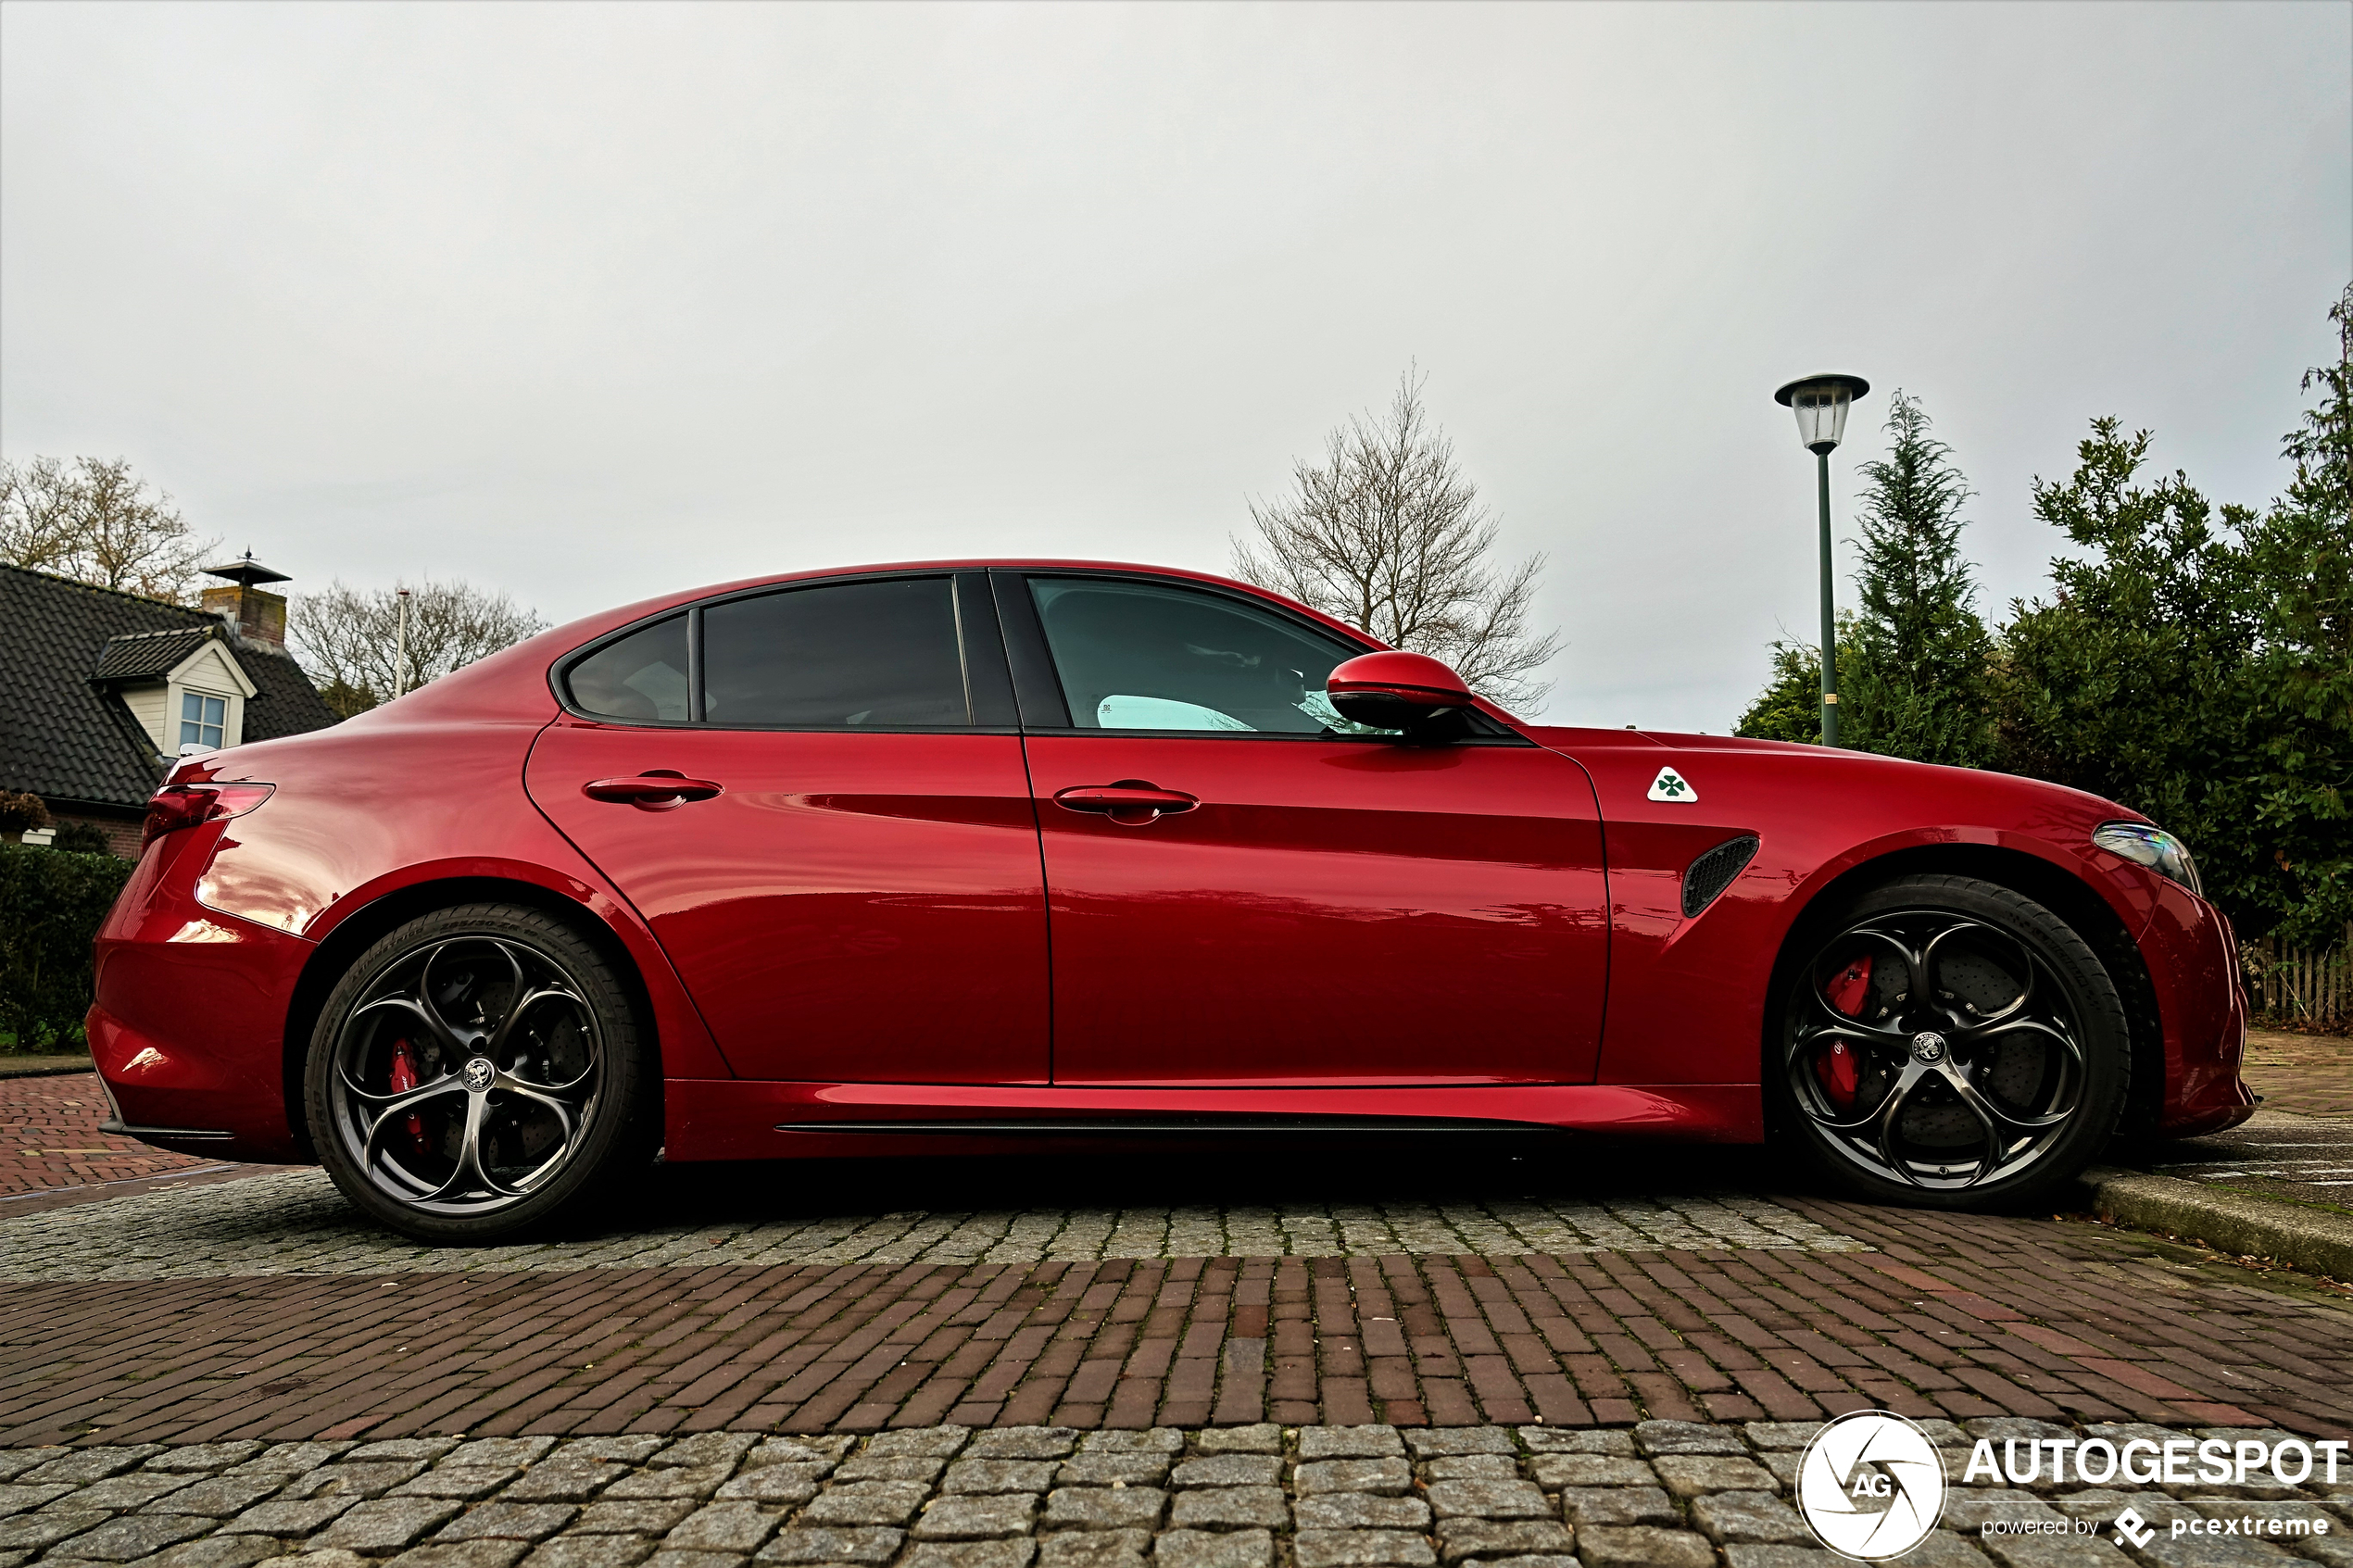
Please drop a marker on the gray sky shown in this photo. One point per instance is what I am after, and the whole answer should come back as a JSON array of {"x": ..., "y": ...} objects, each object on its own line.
[{"x": 588, "y": 302}]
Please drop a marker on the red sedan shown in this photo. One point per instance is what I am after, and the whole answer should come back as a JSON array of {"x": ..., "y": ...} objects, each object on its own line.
[{"x": 954, "y": 855}]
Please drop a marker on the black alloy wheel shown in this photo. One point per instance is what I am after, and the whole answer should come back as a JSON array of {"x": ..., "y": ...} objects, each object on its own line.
[
  {"x": 1951, "y": 1043},
  {"x": 475, "y": 1074}
]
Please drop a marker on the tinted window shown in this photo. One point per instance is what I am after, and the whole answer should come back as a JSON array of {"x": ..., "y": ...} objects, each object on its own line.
[
  {"x": 642, "y": 676},
  {"x": 1138, "y": 656},
  {"x": 856, "y": 654}
]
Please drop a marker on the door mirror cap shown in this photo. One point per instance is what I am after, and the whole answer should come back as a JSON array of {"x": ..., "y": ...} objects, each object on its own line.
[{"x": 1395, "y": 690}]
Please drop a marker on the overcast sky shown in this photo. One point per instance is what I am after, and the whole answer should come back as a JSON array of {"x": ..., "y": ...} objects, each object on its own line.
[{"x": 588, "y": 302}]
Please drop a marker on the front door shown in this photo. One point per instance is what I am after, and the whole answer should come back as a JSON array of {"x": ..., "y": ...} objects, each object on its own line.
[
  {"x": 860, "y": 902},
  {"x": 1245, "y": 889}
]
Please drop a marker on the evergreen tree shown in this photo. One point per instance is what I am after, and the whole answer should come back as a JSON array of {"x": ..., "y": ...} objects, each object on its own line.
[
  {"x": 1921, "y": 657},
  {"x": 1790, "y": 708}
]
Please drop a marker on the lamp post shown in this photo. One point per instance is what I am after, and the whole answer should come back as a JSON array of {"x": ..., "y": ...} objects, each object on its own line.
[
  {"x": 400, "y": 659},
  {"x": 1821, "y": 404}
]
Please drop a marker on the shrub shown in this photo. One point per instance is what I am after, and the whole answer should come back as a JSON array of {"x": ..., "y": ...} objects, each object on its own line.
[
  {"x": 82, "y": 839},
  {"x": 51, "y": 902},
  {"x": 19, "y": 811}
]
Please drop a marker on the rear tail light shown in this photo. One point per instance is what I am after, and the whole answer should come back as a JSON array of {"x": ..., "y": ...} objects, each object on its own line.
[{"x": 183, "y": 805}]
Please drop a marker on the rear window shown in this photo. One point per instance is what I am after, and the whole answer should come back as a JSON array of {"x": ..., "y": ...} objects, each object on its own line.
[
  {"x": 858, "y": 654},
  {"x": 642, "y": 676}
]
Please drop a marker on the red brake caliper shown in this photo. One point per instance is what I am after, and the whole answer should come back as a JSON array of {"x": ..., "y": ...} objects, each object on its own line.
[
  {"x": 404, "y": 1078},
  {"x": 1847, "y": 991}
]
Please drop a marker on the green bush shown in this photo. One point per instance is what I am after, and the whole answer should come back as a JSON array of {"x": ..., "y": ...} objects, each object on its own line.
[{"x": 51, "y": 902}]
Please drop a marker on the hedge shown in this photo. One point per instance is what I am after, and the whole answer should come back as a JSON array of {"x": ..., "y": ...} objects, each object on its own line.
[{"x": 51, "y": 902}]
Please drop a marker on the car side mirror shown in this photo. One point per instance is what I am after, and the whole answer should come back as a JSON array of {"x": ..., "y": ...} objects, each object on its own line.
[{"x": 1396, "y": 690}]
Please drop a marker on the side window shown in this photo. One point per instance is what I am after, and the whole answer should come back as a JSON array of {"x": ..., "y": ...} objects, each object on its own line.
[
  {"x": 883, "y": 654},
  {"x": 642, "y": 676},
  {"x": 1144, "y": 656}
]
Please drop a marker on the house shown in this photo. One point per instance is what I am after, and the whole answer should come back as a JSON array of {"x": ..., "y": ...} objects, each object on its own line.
[{"x": 100, "y": 692}]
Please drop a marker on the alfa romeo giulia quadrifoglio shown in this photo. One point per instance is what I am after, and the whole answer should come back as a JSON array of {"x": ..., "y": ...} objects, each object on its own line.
[{"x": 951, "y": 857}]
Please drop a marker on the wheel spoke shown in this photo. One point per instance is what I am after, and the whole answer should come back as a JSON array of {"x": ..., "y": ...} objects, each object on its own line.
[
  {"x": 524, "y": 1002},
  {"x": 534, "y": 1092},
  {"x": 419, "y": 1008},
  {"x": 395, "y": 1106},
  {"x": 1990, "y": 1110},
  {"x": 469, "y": 1160},
  {"x": 1821, "y": 1004},
  {"x": 1890, "y": 1111},
  {"x": 2024, "y": 1026},
  {"x": 1971, "y": 1022}
]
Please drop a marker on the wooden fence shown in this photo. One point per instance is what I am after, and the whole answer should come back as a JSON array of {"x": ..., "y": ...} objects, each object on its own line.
[{"x": 2301, "y": 982}]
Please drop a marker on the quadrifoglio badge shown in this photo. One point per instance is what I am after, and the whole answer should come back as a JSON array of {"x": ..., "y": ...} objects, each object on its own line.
[{"x": 1871, "y": 1484}]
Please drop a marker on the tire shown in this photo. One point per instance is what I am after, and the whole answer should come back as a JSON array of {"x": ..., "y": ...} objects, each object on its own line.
[
  {"x": 1987, "y": 1087},
  {"x": 477, "y": 1075}
]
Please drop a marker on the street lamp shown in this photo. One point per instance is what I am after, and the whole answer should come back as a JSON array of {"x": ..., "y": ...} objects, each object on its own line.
[{"x": 1821, "y": 404}]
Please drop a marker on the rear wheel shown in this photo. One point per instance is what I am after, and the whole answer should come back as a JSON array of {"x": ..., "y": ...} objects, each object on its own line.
[
  {"x": 1949, "y": 1043},
  {"x": 475, "y": 1075}
]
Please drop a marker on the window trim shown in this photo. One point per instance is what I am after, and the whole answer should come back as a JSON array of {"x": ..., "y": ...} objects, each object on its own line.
[{"x": 559, "y": 671}]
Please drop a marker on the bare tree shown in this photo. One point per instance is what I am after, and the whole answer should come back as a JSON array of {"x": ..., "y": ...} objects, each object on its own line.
[
  {"x": 1388, "y": 536},
  {"x": 349, "y": 639},
  {"x": 97, "y": 523}
]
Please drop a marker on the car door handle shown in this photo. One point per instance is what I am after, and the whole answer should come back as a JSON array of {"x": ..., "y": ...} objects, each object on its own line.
[
  {"x": 1130, "y": 802},
  {"x": 656, "y": 789}
]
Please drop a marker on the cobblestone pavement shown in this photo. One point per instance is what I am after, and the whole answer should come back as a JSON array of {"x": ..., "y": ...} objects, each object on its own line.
[
  {"x": 1663, "y": 1494},
  {"x": 2309, "y": 1074},
  {"x": 49, "y": 1137}
]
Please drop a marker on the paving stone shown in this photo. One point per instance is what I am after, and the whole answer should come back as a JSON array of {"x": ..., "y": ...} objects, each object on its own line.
[
  {"x": 1022, "y": 1442},
  {"x": 79, "y": 1467},
  {"x": 1751, "y": 1555},
  {"x": 1784, "y": 1464},
  {"x": 1094, "y": 1549},
  {"x": 137, "y": 1536},
  {"x": 468, "y": 1482},
  {"x": 697, "y": 1560},
  {"x": 1361, "y": 1549},
  {"x": 1487, "y": 1499},
  {"x": 1013, "y": 1553},
  {"x": 636, "y": 1449},
  {"x": 1969, "y": 1512},
  {"x": 1642, "y": 1546},
  {"x": 1555, "y": 1471},
  {"x": 1360, "y": 1510},
  {"x": 218, "y": 1551},
  {"x": 924, "y": 1442},
  {"x": 1459, "y": 1538},
  {"x": 1555, "y": 1441},
  {"x": 647, "y": 1516},
  {"x": 1103, "y": 1470},
  {"x": 426, "y": 1449},
  {"x": 1349, "y": 1442},
  {"x": 353, "y": 1480},
  {"x": 323, "y": 1557},
  {"x": 1104, "y": 1508},
  {"x": 590, "y": 1551},
  {"x": 515, "y": 1451},
  {"x": 792, "y": 1450},
  {"x": 1688, "y": 1475},
  {"x": 1686, "y": 1437},
  {"x": 680, "y": 1481},
  {"x": 508, "y": 1521},
  {"x": 1779, "y": 1433},
  {"x": 1941, "y": 1549},
  {"x": 464, "y": 1554},
  {"x": 1445, "y": 1442},
  {"x": 1472, "y": 1467},
  {"x": 1748, "y": 1516},
  {"x": 1263, "y": 1438},
  {"x": 707, "y": 1448},
  {"x": 205, "y": 1455},
  {"x": 14, "y": 1463},
  {"x": 1617, "y": 1505},
  {"x": 998, "y": 1475},
  {"x": 725, "y": 1526},
  {"x": 817, "y": 1544},
  {"x": 16, "y": 1499},
  {"x": 977, "y": 1517},
  {"x": 1386, "y": 1476},
  {"x": 1154, "y": 1440},
  {"x": 288, "y": 1460},
  {"x": 890, "y": 1467},
  {"x": 387, "y": 1524},
  {"x": 48, "y": 1527},
  {"x": 218, "y": 1497},
  {"x": 786, "y": 1486},
  {"x": 1230, "y": 1506},
  {"x": 565, "y": 1479},
  {"x": 867, "y": 1502},
  {"x": 1995, "y": 1428},
  {"x": 2051, "y": 1551},
  {"x": 1228, "y": 1470},
  {"x": 1201, "y": 1549},
  {"x": 291, "y": 1517}
]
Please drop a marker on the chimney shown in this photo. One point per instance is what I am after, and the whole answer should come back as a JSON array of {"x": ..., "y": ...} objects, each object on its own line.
[{"x": 257, "y": 616}]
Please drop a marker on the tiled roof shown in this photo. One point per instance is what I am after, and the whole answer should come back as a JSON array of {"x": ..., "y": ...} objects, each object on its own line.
[{"x": 64, "y": 646}]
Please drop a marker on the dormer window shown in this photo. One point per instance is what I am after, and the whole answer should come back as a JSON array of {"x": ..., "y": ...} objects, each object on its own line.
[{"x": 202, "y": 719}]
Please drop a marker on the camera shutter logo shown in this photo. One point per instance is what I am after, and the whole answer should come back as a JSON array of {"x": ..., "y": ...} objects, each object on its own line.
[{"x": 1870, "y": 1486}]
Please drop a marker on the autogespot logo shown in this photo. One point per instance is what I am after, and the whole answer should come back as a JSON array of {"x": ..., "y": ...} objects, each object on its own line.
[{"x": 1870, "y": 1486}]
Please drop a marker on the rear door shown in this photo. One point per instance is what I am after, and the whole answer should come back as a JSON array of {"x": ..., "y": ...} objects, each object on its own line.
[{"x": 846, "y": 875}]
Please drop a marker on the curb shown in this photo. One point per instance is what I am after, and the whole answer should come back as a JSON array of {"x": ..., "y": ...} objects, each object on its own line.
[
  {"x": 2304, "y": 1238},
  {"x": 44, "y": 1069}
]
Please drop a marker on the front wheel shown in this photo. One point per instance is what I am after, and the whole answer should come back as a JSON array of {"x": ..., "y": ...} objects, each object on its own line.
[
  {"x": 476, "y": 1073},
  {"x": 1950, "y": 1043}
]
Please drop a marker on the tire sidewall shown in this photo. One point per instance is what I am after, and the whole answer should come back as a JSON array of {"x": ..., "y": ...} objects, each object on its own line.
[{"x": 615, "y": 1130}]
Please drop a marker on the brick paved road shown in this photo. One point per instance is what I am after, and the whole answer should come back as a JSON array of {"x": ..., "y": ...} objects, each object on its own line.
[
  {"x": 1663, "y": 1494},
  {"x": 49, "y": 1137},
  {"x": 2310, "y": 1074}
]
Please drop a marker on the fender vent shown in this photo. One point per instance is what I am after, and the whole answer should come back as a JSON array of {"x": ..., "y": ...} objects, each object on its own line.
[{"x": 1713, "y": 873}]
